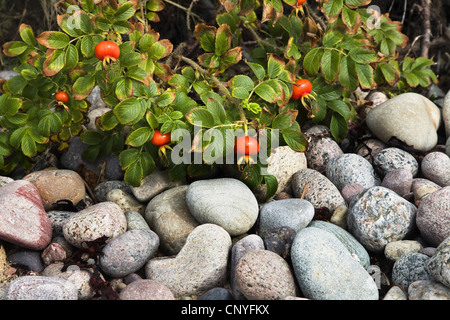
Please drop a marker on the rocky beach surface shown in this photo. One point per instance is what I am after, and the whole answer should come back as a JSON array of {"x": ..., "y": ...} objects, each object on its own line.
[{"x": 364, "y": 223}]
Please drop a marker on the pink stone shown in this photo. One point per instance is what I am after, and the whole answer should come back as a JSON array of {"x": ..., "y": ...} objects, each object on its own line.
[{"x": 23, "y": 220}]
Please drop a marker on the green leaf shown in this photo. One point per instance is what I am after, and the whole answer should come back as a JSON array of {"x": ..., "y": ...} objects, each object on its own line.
[
  {"x": 332, "y": 37},
  {"x": 412, "y": 79},
  {"x": 128, "y": 157},
  {"x": 257, "y": 69},
  {"x": 242, "y": 81},
  {"x": 165, "y": 99},
  {"x": 295, "y": 140},
  {"x": 311, "y": 62},
  {"x": 9, "y": 105},
  {"x": 124, "y": 12},
  {"x": 14, "y": 48},
  {"x": 71, "y": 57},
  {"x": 130, "y": 59},
  {"x": 108, "y": 121},
  {"x": 91, "y": 138},
  {"x": 271, "y": 185},
  {"x": 275, "y": 66},
  {"x": 87, "y": 47},
  {"x": 330, "y": 65},
  {"x": 338, "y": 127},
  {"x": 365, "y": 75},
  {"x": 54, "y": 63},
  {"x": 333, "y": 7},
  {"x": 26, "y": 33},
  {"x": 139, "y": 136},
  {"x": 347, "y": 75},
  {"x": 421, "y": 62},
  {"x": 223, "y": 40},
  {"x": 267, "y": 91},
  {"x": 349, "y": 17},
  {"x": 83, "y": 87},
  {"x": 387, "y": 46},
  {"x": 134, "y": 174},
  {"x": 283, "y": 120},
  {"x": 53, "y": 39},
  {"x": 160, "y": 49},
  {"x": 389, "y": 72},
  {"x": 201, "y": 117},
  {"x": 360, "y": 55},
  {"x": 217, "y": 110},
  {"x": 340, "y": 107},
  {"x": 128, "y": 110},
  {"x": 124, "y": 89},
  {"x": 28, "y": 145}
]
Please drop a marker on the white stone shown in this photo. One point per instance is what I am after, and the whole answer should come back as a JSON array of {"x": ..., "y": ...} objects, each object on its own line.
[{"x": 409, "y": 117}]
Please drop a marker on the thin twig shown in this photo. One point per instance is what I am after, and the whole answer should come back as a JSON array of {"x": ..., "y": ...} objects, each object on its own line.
[
  {"x": 188, "y": 11},
  {"x": 404, "y": 10},
  {"x": 426, "y": 25}
]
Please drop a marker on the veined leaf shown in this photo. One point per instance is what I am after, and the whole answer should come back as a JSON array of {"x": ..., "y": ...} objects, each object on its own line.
[
  {"x": 26, "y": 33},
  {"x": 53, "y": 39},
  {"x": 201, "y": 117},
  {"x": 139, "y": 136},
  {"x": 311, "y": 62},
  {"x": 128, "y": 110},
  {"x": 330, "y": 65},
  {"x": 347, "y": 74},
  {"x": 365, "y": 75}
]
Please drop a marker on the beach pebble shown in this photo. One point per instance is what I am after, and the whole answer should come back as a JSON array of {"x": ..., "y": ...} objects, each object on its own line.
[
  {"x": 350, "y": 190},
  {"x": 438, "y": 265},
  {"x": 30, "y": 259},
  {"x": 146, "y": 289},
  {"x": 168, "y": 215},
  {"x": 428, "y": 290},
  {"x": 293, "y": 213},
  {"x": 23, "y": 220},
  {"x": 102, "y": 219},
  {"x": 282, "y": 163},
  {"x": 422, "y": 188},
  {"x": 433, "y": 216},
  {"x": 395, "y": 293},
  {"x": 447, "y": 147},
  {"x": 136, "y": 221},
  {"x": 409, "y": 117},
  {"x": 398, "y": 180},
  {"x": 264, "y": 275},
  {"x": 408, "y": 268},
  {"x": 226, "y": 202},
  {"x": 216, "y": 294},
  {"x": 55, "y": 185},
  {"x": 326, "y": 270},
  {"x": 339, "y": 217},
  {"x": 394, "y": 250},
  {"x": 153, "y": 184},
  {"x": 199, "y": 266},
  {"x": 4, "y": 180},
  {"x": 80, "y": 278},
  {"x": 446, "y": 114},
  {"x": 378, "y": 216},
  {"x": 435, "y": 166},
  {"x": 125, "y": 201},
  {"x": 54, "y": 252},
  {"x": 347, "y": 239},
  {"x": 92, "y": 115},
  {"x": 351, "y": 168},
  {"x": 241, "y": 247},
  {"x": 41, "y": 288},
  {"x": 317, "y": 189},
  {"x": 394, "y": 158},
  {"x": 128, "y": 252},
  {"x": 322, "y": 148},
  {"x": 279, "y": 240}
]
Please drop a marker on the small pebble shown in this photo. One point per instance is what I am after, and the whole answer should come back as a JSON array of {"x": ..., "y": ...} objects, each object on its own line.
[
  {"x": 438, "y": 265},
  {"x": 135, "y": 221},
  {"x": 398, "y": 180},
  {"x": 428, "y": 290},
  {"x": 146, "y": 289},
  {"x": 435, "y": 166},
  {"x": 422, "y": 188},
  {"x": 264, "y": 275},
  {"x": 394, "y": 250},
  {"x": 41, "y": 288},
  {"x": 30, "y": 259},
  {"x": 128, "y": 252},
  {"x": 408, "y": 268},
  {"x": 351, "y": 168},
  {"x": 292, "y": 213},
  {"x": 339, "y": 217},
  {"x": 125, "y": 201},
  {"x": 279, "y": 240},
  {"x": 216, "y": 294},
  {"x": 349, "y": 191},
  {"x": 394, "y": 158},
  {"x": 395, "y": 293}
]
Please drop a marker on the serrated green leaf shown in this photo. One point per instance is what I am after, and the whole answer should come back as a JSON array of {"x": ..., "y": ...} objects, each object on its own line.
[
  {"x": 295, "y": 139},
  {"x": 134, "y": 174},
  {"x": 330, "y": 65},
  {"x": 128, "y": 110},
  {"x": 57, "y": 40},
  {"x": 83, "y": 86},
  {"x": 340, "y": 107},
  {"x": 54, "y": 63},
  {"x": 311, "y": 62},
  {"x": 130, "y": 59},
  {"x": 14, "y": 48},
  {"x": 267, "y": 91},
  {"x": 124, "y": 12},
  {"x": 9, "y": 105},
  {"x": 124, "y": 89},
  {"x": 201, "y": 117},
  {"x": 365, "y": 75},
  {"x": 349, "y": 17},
  {"x": 257, "y": 69},
  {"x": 27, "y": 35},
  {"x": 165, "y": 99},
  {"x": 283, "y": 121},
  {"x": 28, "y": 145},
  {"x": 347, "y": 74},
  {"x": 217, "y": 110},
  {"x": 389, "y": 72},
  {"x": 412, "y": 79},
  {"x": 87, "y": 47},
  {"x": 338, "y": 127},
  {"x": 332, "y": 37},
  {"x": 275, "y": 66},
  {"x": 91, "y": 138},
  {"x": 223, "y": 40},
  {"x": 71, "y": 57},
  {"x": 360, "y": 55},
  {"x": 242, "y": 81},
  {"x": 333, "y": 7},
  {"x": 139, "y": 136},
  {"x": 128, "y": 157},
  {"x": 271, "y": 183}
]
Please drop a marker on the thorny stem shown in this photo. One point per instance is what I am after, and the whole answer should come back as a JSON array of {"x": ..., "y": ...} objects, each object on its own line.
[{"x": 222, "y": 89}]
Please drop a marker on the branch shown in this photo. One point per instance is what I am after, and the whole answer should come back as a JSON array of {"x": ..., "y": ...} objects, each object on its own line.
[{"x": 426, "y": 25}]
